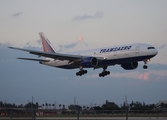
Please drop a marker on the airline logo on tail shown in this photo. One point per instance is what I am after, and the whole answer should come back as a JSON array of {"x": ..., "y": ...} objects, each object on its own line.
[{"x": 47, "y": 47}]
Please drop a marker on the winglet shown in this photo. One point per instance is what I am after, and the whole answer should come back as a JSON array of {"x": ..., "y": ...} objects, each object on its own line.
[{"x": 47, "y": 46}]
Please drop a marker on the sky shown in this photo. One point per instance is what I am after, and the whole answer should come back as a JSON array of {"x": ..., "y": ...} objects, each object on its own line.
[{"x": 80, "y": 25}]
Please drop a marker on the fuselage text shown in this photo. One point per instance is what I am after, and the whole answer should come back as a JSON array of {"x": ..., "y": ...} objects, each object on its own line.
[{"x": 115, "y": 49}]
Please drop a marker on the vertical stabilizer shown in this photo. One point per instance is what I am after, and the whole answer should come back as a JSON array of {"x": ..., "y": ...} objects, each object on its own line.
[{"x": 47, "y": 46}]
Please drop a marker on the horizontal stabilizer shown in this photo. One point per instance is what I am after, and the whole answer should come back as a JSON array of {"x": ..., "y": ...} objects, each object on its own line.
[{"x": 40, "y": 60}]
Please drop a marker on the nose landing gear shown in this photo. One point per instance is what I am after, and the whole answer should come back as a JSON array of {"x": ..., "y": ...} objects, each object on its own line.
[
  {"x": 145, "y": 66},
  {"x": 145, "y": 62}
]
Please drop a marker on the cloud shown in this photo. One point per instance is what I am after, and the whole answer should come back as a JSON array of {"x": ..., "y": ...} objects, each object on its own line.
[
  {"x": 71, "y": 45},
  {"x": 86, "y": 16},
  {"x": 80, "y": 38},
  {"x": 67, "y": 46},
  {"x": 17, "y": 14},
  {"x": 5, "y": 44},
  {"x": 157, "y": 67},
  {"x": 127, "y": 74},
  {"x": 158, "y": 76},
  {"x": 33, "y": 44},
  {"x": 136, "y": 75},
  {"x": 79, "y": 42},
  {"x": 39, "y": 42},
  {"x": 144, "y": 76},
  {"x": 153, "y": 75},
  {"x": 92, "y": 76}
]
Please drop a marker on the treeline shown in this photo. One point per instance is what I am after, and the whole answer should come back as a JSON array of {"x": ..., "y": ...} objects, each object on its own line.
[
  {"x": 106, "y": 106},
  {"x": 13, "y": 105},
  {"x": 132, "y": 106},
  {"x": 112, "y": 106}
]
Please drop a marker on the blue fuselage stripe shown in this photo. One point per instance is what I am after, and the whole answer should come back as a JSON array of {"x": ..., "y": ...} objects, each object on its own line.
[{"x": 113, "y": 61}]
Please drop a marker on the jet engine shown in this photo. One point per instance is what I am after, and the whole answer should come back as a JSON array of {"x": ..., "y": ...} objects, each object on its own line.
[
  {"x": 89, "y": 62},
  {"x": 130, "y": 66}
]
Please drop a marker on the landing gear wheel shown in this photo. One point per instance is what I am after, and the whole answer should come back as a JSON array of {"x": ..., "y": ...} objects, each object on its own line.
[
  {"x": 81, "y": 72},
  {"x": 85, "y": 71},
  {"x": 104, "y": 73},
  {"x": 101, "y": 75},
  {"x": 145, "y": 62},
  {"x": 145, "y": 67}
]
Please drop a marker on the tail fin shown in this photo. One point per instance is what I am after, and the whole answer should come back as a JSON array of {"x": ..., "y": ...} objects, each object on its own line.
[{"x": 47, "y": 46}]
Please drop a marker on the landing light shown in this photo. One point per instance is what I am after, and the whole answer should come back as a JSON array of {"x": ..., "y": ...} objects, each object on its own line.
[
  {"x": 105, "y": 58},
  {"x": 148, "y": 60}
]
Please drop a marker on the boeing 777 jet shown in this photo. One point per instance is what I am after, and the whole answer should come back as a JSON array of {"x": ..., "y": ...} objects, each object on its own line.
[{"x": 127, "y": 56}]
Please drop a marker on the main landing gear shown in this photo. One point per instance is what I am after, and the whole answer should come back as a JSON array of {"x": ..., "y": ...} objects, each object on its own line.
[
  {"x": 104, "y": 72},
  {"x": 145, "y": 62},
  {"x": 81, "y": 72}
]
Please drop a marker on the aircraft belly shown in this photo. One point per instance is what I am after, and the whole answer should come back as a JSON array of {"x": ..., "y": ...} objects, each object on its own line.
[
  {"x": 124, "y": 60},
  {"x": 57, "y": 63}
]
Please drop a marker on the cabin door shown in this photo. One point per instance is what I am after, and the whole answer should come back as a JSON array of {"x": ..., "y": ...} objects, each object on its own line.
[{"x": 137, "y": 49}]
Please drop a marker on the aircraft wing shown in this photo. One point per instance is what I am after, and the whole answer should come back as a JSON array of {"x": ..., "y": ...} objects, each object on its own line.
[
  {"x": 58, "y": 56},
  {"x": 40, "y": 60}
]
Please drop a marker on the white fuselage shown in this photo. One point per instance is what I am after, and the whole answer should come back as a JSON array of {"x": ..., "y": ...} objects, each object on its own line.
[{"x": 111, "y": 55}]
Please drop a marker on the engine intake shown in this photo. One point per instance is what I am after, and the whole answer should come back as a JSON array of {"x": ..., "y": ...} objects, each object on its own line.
[
  {"x": 89, "y": 62},
  {"x": 130, "y": 66}
]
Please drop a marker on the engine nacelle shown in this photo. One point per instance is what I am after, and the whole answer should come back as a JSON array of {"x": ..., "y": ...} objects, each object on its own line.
[
  {"x": 89, "y": 62},
  {"x": 130, "y": 66}
]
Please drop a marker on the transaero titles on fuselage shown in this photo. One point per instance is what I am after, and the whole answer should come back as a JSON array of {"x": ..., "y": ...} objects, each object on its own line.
[{"x": 115, "y": 49}]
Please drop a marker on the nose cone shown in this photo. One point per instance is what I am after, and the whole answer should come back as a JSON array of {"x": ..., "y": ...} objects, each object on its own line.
[{"x": 155, "y": 51}]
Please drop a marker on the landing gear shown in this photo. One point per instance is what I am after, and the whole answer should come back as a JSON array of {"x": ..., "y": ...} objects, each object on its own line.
[
  {"x": 145, "y": 66},
  {"x": 104, "y": 73},
  {"x": 81, "y": 72},
  {"x": 145, "y": 62}
]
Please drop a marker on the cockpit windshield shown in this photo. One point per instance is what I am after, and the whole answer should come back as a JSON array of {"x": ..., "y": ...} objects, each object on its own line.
[{"x": 150, "y": 48}]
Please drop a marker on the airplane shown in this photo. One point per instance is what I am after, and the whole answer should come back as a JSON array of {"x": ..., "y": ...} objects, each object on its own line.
[{"x": 127, "y": 56}]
